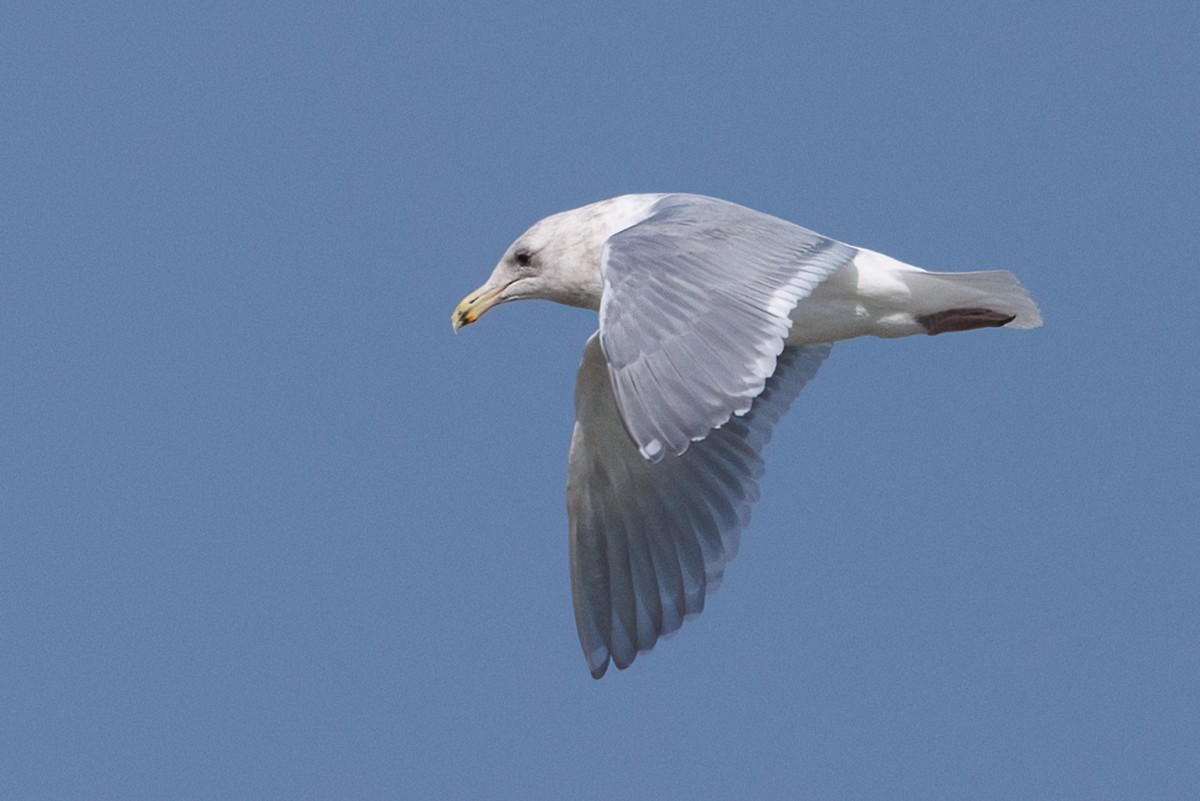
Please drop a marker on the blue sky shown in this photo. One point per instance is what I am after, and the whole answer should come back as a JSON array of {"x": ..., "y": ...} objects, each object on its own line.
[{"x": 269, "y": 530}]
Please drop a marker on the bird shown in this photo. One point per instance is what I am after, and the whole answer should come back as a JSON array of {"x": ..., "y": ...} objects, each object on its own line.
[{"x": 712, "y": 317}]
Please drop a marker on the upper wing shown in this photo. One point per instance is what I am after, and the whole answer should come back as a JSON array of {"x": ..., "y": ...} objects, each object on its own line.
[
  {"x": 695, "y": 311},
  {"x": 649, "y": 539}
]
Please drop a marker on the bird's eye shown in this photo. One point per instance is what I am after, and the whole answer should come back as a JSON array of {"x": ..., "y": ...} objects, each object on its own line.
[{"x": 523, "y": 257}]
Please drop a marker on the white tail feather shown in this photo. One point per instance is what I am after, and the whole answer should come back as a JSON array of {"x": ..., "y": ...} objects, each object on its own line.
[{"x": 997, "y": 290}]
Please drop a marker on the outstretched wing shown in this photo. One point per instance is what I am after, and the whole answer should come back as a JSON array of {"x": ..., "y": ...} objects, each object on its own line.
[
  {"x": 695, "y": 311},
  {"x": 650, "y": 539}
]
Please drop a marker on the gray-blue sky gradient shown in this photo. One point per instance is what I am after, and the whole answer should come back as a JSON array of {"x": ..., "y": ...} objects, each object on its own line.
[{"x": 269, "y": 530}]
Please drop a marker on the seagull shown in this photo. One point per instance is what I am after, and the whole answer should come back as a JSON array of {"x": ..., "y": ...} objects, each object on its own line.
[{"x": 712, "y": 317}]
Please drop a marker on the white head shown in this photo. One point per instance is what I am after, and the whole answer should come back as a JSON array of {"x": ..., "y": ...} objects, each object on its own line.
[{"x": 557, "y": 259}]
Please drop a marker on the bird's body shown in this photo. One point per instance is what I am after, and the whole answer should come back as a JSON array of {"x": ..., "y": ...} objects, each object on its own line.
[{"x": 712, "y": 317}]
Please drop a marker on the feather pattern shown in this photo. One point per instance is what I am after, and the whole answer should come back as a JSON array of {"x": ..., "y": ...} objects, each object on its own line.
[
  {"x": 649, "y": 540},
  {"x": 695, "y": 311}
]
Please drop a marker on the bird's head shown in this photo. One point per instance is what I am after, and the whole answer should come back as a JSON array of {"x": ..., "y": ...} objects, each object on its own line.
[
  {"x": 520, "y": 274},
  {"x": 557, "y": 259}
]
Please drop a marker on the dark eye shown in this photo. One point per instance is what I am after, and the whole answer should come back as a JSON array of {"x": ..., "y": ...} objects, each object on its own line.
[{"x": 523, "y": 257}]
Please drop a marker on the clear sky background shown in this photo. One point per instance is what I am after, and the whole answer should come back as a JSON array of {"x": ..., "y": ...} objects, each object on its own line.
[{"x": 269, "y": 530}]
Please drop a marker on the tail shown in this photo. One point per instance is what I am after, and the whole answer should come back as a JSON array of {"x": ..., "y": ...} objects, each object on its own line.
[{"x": 962, "y": 301}]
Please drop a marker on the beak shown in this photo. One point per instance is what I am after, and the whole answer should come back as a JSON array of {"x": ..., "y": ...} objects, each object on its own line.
[{"x": 472, "y": 307}]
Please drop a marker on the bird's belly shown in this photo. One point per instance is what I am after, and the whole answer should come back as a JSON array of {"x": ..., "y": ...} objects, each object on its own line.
[{"x": 867, "y": 297}]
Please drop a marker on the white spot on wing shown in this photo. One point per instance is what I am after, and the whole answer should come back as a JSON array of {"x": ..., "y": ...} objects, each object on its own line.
[{"x": 781, "y": 302}]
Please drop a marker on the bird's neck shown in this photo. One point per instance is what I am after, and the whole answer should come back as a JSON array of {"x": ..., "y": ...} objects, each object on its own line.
[{"x": 580, "y": 241}]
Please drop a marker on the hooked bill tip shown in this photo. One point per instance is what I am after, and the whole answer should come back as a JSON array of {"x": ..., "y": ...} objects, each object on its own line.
[{"x": 462, "y": 315}]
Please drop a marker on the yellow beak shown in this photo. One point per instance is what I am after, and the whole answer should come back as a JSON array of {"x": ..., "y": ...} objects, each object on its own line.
[{"x": 472, "y": 307}]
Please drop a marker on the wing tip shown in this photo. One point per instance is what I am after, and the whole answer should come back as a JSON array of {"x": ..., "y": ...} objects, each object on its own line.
[
  {"x": 597, "y": 660},
  {"x": 652, "y": 451}
]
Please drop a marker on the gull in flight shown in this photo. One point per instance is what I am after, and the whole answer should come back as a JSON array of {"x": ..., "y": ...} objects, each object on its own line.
[{"x": 712, "y": 318}]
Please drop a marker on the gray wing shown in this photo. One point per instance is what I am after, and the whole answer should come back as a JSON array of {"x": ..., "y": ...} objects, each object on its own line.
[
  {"x": 695, "y": 311},
  {"x": 650, "y": 539}
]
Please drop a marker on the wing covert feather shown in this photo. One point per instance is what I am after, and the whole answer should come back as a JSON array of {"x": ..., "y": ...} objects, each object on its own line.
[{"x": 695, "y": 311}]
